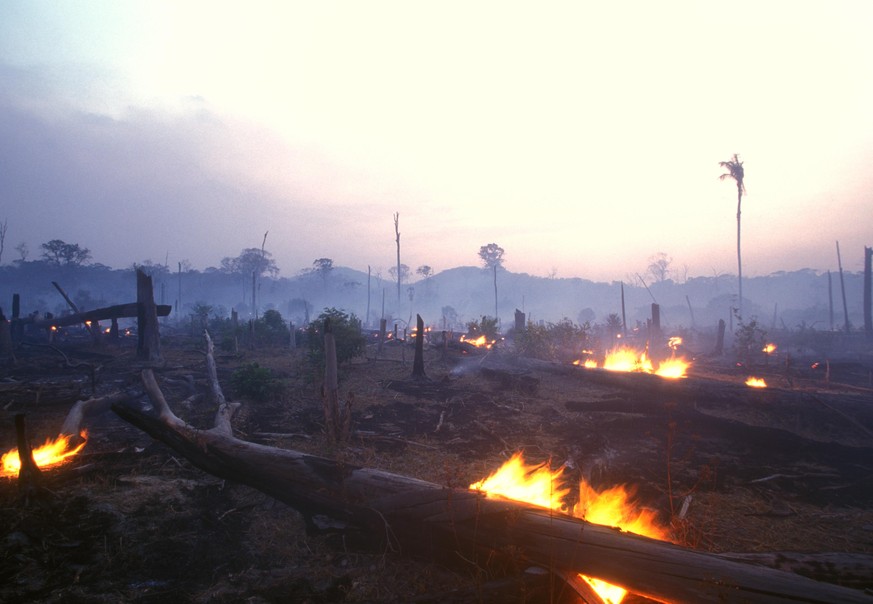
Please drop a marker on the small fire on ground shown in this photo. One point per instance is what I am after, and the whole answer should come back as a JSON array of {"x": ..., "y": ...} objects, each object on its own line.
[
  {"x": 480, "y": 342},
  {"x": 52, "y": 453},
  {"x": 629, "y": 359},
  {"x": 755, "y": 382},
  {"x": 542, "y": 486}
]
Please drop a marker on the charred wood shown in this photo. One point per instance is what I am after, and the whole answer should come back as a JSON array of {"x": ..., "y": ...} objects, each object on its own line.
[{"x": 424, "y": 518}]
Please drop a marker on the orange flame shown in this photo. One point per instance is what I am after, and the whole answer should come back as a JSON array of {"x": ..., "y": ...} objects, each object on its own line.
[
  {"x": 53, "y": 452},
  {"x": 479, "y": 342},
  {"x": 769, "y": 348},
  {"x": 540, "y": 486},
  {"x": 756, "y": 382},
  {"x": 628, "y": 359}
]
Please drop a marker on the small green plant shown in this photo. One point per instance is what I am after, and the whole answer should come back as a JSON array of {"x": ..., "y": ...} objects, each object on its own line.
[
  {"x": 271, "y": 329},
  {"x": 346, "y": 327},
  {"x": 255, "y": 382},
  {"x": 749, "y": 340}
]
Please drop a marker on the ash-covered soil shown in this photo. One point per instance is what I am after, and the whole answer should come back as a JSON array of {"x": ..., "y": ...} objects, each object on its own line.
[{"x": 128, "y": 520}]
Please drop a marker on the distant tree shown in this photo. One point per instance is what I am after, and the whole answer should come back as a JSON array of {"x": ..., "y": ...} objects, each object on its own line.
[
  {"x": 3, "y": 226},
  {"x": 492, "y": 258},
  {"x": 251, "y": 260},
  {"x": 659, "y": 266},
  {"x": 613, "y": 325},
  {"x": 404, "y": 272},
  {"x": 450, "y": 317},
  {"x": 322, "y": 267},
  {"x": 425, "y": 271},
  {"x": 250, "y": 265},
  {"x": 61, "y": 253},
  {"x": 736, "y": 173},
  {"x": 23, "y": 251}
]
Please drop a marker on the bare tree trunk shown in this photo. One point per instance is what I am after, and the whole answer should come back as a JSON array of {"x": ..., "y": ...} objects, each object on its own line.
[
  {"x": 830, "y": 301},
  {"x": 29, "y": 474},
  {"x": 399, "y": 275},
  {"x": 868, "y": 292},
  {"x": 337, "y": 421},
  {"x": 739, "y": 255},
  {"x": 496, "y": 316},
  {"x": 719, "y": 343},
  {"x": 623, "y": 315},
  {"x": 418, "y": 362},
  {"x": 843, "y": 288},
  {"x": 148, "y": 336}
]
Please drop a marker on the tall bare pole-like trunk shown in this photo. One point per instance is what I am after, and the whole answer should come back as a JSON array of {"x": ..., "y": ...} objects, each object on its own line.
[
  {"x": 367, "y": 320},
  {"x": 397, "y": 234},
  {"x": 623, "y": 314},
  {"x": 739, "y": 254},
  {"x": 843, "y": 289},
  {"x": 868, "y": 292},
  {"x": 496, "y": 315},
  {"x": 830, "y": 301}
]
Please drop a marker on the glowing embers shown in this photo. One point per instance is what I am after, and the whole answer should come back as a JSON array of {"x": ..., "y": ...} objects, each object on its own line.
[
  {"x": 754, "y": 382},
  {"x": 542, "y": 486},
  {"x": 52, "y": 453}
]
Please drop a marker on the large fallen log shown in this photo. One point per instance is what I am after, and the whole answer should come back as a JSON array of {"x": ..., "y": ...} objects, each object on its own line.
[
  {"x": 420, "y": 517},
  {"x": 119, "y": 311}
]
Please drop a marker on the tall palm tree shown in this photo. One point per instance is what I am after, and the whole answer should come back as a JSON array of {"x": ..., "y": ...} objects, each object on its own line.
[{"x": 735, "y": 171}]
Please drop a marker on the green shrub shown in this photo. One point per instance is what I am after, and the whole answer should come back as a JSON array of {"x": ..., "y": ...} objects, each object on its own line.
[
  {"x": 255, "y": 382},
  {"x": 346, "y": 327},
  {"x": 562, "y": 341}
]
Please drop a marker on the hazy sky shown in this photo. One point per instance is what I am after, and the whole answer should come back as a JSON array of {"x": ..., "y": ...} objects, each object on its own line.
[{"x": 582, "y": 137}]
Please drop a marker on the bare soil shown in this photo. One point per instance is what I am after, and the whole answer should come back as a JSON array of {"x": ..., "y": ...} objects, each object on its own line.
[{"x": 127, "y": 520}]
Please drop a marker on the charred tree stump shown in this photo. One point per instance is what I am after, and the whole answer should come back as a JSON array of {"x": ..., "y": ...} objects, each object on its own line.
[
  {"x": 17, "y": 327},
  {"x": 418, "y": 361},
  {"x": 719, "y": 343},
  {"x": 6, "y": 352},
  {"x": 29, "y": 474},
  {"x": 424, "y": 518},
  {"x": 149, "y": 339},
  {"x": 337, "y": 421}
]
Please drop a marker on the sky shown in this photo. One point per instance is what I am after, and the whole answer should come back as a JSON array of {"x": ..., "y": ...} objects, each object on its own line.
[{"x": 581, "y": 137}]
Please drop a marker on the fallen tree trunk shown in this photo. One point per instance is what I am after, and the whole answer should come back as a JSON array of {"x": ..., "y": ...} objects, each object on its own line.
[
  {"x": 424, "y": 518},
  {"x": 119, "y": 311}
]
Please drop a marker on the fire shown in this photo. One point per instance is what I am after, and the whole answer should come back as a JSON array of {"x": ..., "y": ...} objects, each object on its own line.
[
  {"x": 756, "y": 382},
  {"x": 587, "y": 363},
  {"x": 674, "y": 342},
  {"x": 769, "y": 348},
  {"x": 53, "y": 452},
  {"x": 628, "y": 359},
  {"x": 540, "y": 486},
  {"x": 479, "y": 342}
]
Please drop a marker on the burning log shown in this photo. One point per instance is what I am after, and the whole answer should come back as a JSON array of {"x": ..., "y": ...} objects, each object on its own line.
[{"x": 425, "y": 518}]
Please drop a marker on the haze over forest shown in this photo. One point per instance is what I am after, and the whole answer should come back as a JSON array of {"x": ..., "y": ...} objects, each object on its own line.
[{"x": 798, "y": 300}]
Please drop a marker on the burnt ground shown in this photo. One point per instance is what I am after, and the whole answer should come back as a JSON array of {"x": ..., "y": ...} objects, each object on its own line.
[{"x": 128, "y": 520}]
